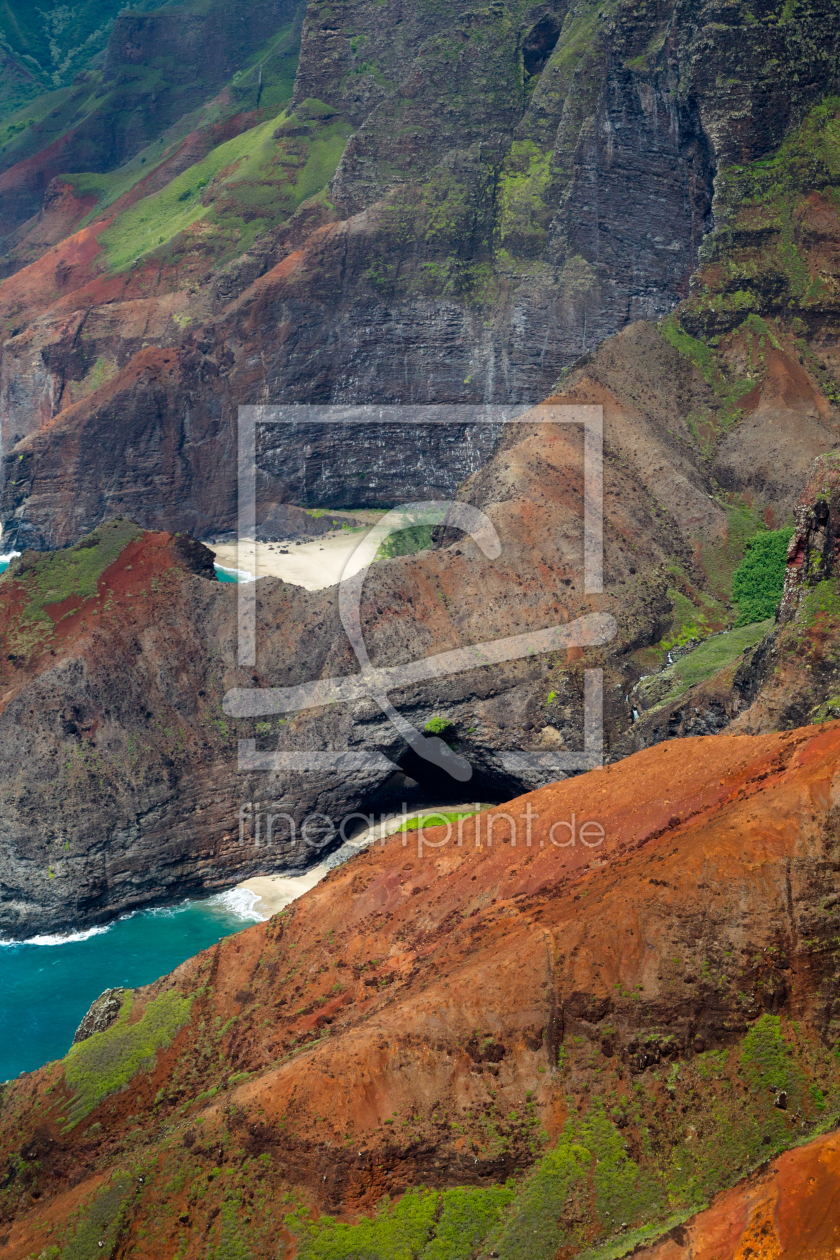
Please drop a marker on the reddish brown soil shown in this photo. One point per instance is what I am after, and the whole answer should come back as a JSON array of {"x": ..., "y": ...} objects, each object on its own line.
[
  {"x": 791, "y": 1210},
  {"x": 424, "y": 978}
]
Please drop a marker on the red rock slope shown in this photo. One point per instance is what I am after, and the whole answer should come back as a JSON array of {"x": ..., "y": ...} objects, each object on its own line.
[{"x": 657, "y": 1010}]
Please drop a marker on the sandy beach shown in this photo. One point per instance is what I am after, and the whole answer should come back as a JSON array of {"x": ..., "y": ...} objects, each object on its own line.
[
  {"x": 275, "y": 892},
  {"x": 312, "y": 565}
]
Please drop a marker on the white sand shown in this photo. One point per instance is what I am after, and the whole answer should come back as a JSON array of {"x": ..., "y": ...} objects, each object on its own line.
[
  {"x": 312, "y": 565},
  {"x": 275, "y": 892}
]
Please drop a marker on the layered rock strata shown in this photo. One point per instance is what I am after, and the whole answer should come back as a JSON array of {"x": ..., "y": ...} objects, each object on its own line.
[{"x": 503, "y": 206}]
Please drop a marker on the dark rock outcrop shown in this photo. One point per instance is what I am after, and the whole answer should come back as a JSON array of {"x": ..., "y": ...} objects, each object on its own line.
[{"x": 101, "y": 1015}]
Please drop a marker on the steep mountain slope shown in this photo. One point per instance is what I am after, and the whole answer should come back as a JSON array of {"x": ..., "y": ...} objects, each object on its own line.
[
  {"x": 791, "y": 675},
  {"x": 521, "y": 183},
  {"x": 157, "y": 69},
  {"x": 411, "y": 607},
  {"x": 622, "y": 1025},
  {"x": 671, "y": 545}
]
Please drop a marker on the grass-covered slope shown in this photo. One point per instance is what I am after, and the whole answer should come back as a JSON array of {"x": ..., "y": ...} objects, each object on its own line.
[
  {"x": 247, "y": 185},
  {"x": 158, "y": 69}
]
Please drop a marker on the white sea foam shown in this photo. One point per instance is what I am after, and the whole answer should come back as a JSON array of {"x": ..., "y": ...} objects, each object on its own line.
[
  {"x": 242, "y": 575},
  {"x": 9, "y": 557},
  {"x": 63, "y": 939},
  {"x": 238, "y": 901}
]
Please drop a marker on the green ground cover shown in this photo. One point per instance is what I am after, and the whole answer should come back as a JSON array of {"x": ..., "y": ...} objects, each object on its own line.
[
  {"x": 406, "y": 542},
  {"x": 436, "y": 818},
  {"x": 422, "y": 1225},
  {"x": 96, "y": 1226},
  {"x": 268, "y": 75},
  {"x": 106, "y": 1061},
  {"x": 758, "y": 582},
  {"x": 714, "y": 654},
  {"x": 589, "y": 1193},
  {"x": 54, "y": 576},
  {"x": 252, "y": 181}
]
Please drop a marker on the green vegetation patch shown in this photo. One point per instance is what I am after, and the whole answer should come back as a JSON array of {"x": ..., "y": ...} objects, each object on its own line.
[
  {"x": 758, "y": 581},
  {"x": 718, "y": 652},
  {"x": 728, "y": 387},
  {"x": 436, "y": 819},
  {"x": 822, "y": 603},
  {"x": 769, "y": 1061},
  {"x": 524, "y": 216},
  {"x": 267, "y": 81},
  {"x": 100, "y": 1221},
  {"x": 719, "y": 560},
  {"x": 232, "y": 1244},
  {"x": 635, "y": 1157},
  {"x": 692, "y": 618},
  {"x": 54, "y": 41},
  {"x": 256, "y": 180},
  {"x": 422, "y": 1225},
  {"x": 406, "y": 542},
  {"x": 107, "y": 1061},
  {"x": 53, "y": 576}
]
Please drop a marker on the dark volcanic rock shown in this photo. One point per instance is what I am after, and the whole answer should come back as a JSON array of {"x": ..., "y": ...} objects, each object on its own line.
[
  {"x": 101, "y": 1015},
  {"x": 487, "y": 225}
]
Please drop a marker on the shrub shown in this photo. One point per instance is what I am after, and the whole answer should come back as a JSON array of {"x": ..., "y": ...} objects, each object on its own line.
[
  {"x": 106, "y": 1061},
  {"x": 759, "y": 579}
]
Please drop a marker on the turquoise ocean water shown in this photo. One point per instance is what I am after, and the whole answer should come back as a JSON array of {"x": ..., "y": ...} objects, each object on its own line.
[{"x": 47, "y": 983}]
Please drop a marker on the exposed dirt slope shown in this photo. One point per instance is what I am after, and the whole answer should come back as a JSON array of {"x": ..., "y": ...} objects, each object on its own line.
[
  {"x": 638, "y": 1019},
  {"x": 789, "y": 1209}
]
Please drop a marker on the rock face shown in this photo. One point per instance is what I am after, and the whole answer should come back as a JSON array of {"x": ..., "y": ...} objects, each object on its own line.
[
  {"x": 613, "y": 1006},
  {"x": 119, "y": 784},
  {"x": 101, "y": 1015},
  {"x": 459, "y": 206},
  {"x": 150, "y": 758}
]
